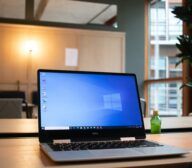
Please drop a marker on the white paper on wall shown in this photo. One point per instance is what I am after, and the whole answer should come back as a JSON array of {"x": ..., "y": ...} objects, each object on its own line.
[{"x": 71, "y": 56}]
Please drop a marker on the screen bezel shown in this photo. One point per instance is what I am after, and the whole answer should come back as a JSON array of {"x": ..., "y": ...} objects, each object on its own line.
[{"x": 92, "y": 134}]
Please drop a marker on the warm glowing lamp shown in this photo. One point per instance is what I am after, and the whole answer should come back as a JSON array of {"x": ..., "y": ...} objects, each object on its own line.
[{"x": 30, "y": 47}]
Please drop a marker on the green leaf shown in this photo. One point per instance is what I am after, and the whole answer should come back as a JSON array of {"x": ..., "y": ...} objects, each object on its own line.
[
  {"x": 185, "y": 85},
  {"x": 181, "y": 61},
  {"x": 188, "y": 84},
  {"x": 189, "y": 2},
  {"x": 182, "y": 86},
  {"x": 180, "y": 55}
]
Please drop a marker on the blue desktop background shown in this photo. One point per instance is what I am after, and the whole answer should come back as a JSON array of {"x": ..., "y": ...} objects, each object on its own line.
[{"x": 69, "y": 99}]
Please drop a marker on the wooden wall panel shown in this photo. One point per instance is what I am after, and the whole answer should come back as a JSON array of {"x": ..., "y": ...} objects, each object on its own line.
[
  {"x": 12, "y": 64},
  {"x": 54, "y": 44},
  {"x": 100, "y": 53}
]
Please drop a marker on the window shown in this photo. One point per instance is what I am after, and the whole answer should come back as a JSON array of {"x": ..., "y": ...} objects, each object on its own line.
[
  {"x": 165, "y": 98},
  {"x": 164, "y": 79}
]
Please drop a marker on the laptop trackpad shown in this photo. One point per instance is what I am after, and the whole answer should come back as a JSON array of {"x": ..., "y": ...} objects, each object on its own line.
[{"x": 116, "y": 153}]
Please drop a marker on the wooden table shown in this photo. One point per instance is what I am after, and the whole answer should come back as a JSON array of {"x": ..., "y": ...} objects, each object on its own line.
[
  {"x": 170, "y": 124},
  {"x": 18, "y": 127},
  {"x": 29, "y": 127},
  {"x": 25, "y": 153}
]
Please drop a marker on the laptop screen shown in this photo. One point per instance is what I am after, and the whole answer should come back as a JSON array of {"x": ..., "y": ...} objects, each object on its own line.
[{"x": 84, "y": 100}]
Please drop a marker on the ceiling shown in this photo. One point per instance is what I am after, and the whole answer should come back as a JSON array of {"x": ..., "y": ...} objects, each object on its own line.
[{"x": 65, "y": 11}]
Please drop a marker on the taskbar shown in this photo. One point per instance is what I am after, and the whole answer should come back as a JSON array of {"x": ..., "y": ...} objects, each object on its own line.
[{"x": 89, "y": 127}]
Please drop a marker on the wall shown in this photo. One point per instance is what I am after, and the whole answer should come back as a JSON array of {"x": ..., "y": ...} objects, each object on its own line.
[
  {"x": 131, "y": 19},
  {"x": 98, "y": 51}
]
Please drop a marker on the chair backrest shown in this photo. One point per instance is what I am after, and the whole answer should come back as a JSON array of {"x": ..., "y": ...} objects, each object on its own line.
[
  {"x": 10, "y": 107},
  {"x": 35, "y": 97},
  {"x": 143, "y": 106},
  {"x": 13, "y": 94}
]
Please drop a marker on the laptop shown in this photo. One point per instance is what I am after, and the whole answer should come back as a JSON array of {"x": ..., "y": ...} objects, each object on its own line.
[{"x": 88, "y": 116}]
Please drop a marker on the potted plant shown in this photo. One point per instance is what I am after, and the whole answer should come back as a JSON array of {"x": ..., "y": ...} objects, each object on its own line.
[{"x": 184, "y": 44}]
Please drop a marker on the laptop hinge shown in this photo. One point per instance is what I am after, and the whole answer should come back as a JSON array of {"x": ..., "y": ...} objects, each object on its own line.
[
  {"x": 61, "y": 141},
  {"x": 127, "y": 138}
]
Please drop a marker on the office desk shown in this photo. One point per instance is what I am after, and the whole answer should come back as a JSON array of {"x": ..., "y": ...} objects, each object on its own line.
[
  {"x": 25, "y": 153},
  {"x": 18, "y": 127},
  {"x": 29, "y": 127},
  {"x": 170, "y": 124}
]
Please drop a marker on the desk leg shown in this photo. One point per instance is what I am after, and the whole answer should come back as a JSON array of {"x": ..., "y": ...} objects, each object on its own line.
[{"x": 29, "y": 112}]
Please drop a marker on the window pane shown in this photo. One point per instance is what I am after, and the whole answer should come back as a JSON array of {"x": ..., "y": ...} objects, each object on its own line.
[
  {"x": 166, "y": 97},
  {"x": 164, "y": 67},
  {"x": 164, "y": 30}
]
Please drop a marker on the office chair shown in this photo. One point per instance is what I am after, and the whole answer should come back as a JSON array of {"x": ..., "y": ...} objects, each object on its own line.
[
  {"x": 143, "y": 106},
  {"x": 15, "y": 94},
  {"x": 35, "y": 98},
  {"x": 10, "y": 108}
]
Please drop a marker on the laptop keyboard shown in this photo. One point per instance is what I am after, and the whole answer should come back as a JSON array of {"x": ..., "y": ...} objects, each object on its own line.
[{"x": 101, "y": 145}]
